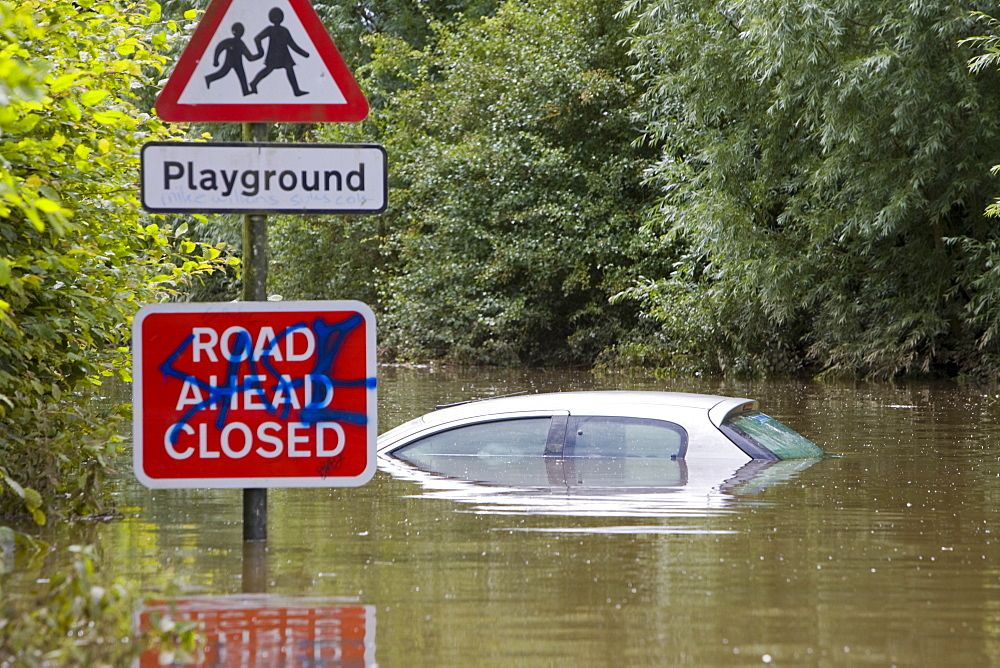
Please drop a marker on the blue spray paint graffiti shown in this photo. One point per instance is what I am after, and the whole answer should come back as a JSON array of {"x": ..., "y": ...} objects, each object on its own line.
[{"x": 330, "y": 338}]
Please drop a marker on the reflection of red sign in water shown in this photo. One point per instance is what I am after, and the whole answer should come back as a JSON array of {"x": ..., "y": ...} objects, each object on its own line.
[
  {"x": 254, "y": 394},
  {"x": 259, "y": 630}
]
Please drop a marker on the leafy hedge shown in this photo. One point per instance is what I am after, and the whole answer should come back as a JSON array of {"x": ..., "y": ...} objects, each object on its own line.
[
  {"x": 77, "y": 254},
  {"x": 825, "y": 170}
]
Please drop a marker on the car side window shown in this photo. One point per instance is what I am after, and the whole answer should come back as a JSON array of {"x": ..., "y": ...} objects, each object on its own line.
[
  {"x": 600, "y": 436},
  {"x": 500, "y": 438}
]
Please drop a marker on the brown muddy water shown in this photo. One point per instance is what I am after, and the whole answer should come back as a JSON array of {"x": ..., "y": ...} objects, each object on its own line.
[{"x": 886, "y": 555}]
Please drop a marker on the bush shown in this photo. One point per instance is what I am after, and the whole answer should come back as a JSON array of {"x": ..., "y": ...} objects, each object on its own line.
[{"x": 77, "y": 255}]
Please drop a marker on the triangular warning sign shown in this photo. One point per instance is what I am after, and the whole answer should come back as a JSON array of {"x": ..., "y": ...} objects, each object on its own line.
[{"x": 254, "y": 61}]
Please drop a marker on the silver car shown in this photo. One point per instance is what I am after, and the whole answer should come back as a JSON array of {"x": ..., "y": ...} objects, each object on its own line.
[{"x": 635, "y": 439}]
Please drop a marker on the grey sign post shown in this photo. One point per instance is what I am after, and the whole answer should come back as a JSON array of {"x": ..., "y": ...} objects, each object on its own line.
[{"x": 211, "y": 82}]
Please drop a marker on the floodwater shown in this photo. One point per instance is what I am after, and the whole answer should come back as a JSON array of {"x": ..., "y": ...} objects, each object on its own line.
[{"x": 888, "y": 554}]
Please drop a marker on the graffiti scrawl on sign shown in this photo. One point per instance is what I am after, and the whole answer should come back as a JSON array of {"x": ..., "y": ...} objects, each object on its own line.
[{"x": 254, "y": 394}]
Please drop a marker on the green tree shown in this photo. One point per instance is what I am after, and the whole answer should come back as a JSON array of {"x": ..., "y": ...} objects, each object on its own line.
[
  {"x": 77, "y": 255},
  {"x": 349, "y": 23},
  {"x": 825, "y": 168},
  {"x": 515, "y": 188},
  {"x": 337, "y": 256}
]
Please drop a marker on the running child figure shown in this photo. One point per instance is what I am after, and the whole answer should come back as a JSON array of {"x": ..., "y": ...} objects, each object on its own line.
[{"x": 235, "y": 51}]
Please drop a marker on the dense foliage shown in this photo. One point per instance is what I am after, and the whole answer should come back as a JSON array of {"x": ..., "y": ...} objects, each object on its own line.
[
  {"x": 516, "y": 195},
  {"x": 825, "y": 166},
  {"x": 816, "y": 179},
  {"x": 77, "y": 256}
]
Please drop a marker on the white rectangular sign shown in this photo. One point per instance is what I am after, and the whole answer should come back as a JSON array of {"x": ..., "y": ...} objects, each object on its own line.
[{"x": 197, "y": 177}]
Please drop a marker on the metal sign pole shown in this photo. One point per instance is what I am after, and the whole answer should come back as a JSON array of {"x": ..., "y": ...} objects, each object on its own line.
[
  {"x": 255, "y": 290},
  {"x": 173, "y": 184}
]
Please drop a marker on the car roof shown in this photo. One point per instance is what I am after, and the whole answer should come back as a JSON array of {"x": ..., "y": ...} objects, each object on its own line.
[
  {"x": 582, "y": 401},
  {"x": 575, "y": 403}
]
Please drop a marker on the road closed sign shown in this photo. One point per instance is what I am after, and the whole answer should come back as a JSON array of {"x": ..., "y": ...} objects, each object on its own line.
[{"x": 254, "y": 394}]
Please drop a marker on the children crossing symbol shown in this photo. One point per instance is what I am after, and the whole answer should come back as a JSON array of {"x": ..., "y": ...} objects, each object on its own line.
[{"x": 212, "y": 79}]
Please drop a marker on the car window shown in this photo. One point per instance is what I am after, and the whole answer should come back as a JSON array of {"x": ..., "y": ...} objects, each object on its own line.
[
  {"x": 601, "y": 436},
  {"x": 500, "y": 438},
  {"x": 753, "y": 430}
]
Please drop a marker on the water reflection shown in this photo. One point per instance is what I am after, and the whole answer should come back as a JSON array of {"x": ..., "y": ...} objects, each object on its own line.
[
  {"x": 596, "y": 487},
  {"x": 270, "y": 630}
]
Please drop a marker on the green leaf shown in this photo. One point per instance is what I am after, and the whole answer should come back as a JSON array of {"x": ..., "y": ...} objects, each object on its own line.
[
  {"x": 110, "y": 117},
  {"x": 73, "y": 109},
  {"x": 29, "y": 121},
  {"x": 32, "y": 499},
  {"x": 17, "y": 489},
  {"x": 64, "y": 81},
  {"x": 35, "y": 220},
  {"x": 92, "y": 97},
  {"x": 48, "y": 206}
]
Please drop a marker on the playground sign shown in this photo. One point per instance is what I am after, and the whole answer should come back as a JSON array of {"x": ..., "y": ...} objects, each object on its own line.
[
  {"x": 253, "y": 61},
  {"x": 205, "y": 177},
  {"x": 254, "y": 394}
]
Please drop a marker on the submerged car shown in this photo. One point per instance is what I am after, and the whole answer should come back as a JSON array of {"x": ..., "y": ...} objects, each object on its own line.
[{"x": 594, "y": 438}]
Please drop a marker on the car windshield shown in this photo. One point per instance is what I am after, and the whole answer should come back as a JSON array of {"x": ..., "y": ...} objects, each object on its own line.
[{"x": 753, "y": 430}]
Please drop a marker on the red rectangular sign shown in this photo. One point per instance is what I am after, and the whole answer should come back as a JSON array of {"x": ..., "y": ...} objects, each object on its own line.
[{"x": 254, "y": 394}]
